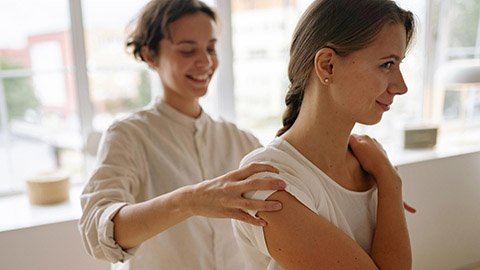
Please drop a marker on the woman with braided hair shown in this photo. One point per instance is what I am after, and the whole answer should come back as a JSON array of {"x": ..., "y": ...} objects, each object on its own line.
[{"x": 343, "y": 206}]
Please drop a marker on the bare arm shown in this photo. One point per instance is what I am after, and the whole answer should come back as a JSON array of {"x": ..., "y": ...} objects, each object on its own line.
[
  {"x": 298, "y": 238},
  {"x": 220, "y": 197},
  {"x": 391, "y": 244}
]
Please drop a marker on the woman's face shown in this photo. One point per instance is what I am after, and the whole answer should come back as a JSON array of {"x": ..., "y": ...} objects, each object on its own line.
[
  {"x": 187, "y": 57},
  {"x": 366, "y": 81}
]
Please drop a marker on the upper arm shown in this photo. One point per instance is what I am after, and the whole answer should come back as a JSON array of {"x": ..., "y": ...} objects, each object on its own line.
[{"x": 298, "y": 238}]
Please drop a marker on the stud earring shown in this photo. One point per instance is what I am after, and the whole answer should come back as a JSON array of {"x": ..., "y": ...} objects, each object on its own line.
[{"x": 326, "y": 80}]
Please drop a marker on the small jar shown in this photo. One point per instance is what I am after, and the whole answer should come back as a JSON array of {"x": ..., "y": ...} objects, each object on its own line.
[{"x": 48, "y": 188}]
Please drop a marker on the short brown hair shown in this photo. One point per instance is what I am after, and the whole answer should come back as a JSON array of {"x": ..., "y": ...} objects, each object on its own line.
[{"x": 151, "y": 25}]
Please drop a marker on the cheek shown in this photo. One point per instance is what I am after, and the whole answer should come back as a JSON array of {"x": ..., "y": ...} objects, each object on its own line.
[
  {"x": 379, "y": 84},
  {"x": 181, "y": 64},
  {"x": 371, "y": 80},
  {"x": 170, "y": 73}
]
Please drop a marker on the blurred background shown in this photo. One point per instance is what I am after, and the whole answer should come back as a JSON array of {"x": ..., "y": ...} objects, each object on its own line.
[
  {"x": 65, "y": 77},
  {"x": 64, "y": 74}
]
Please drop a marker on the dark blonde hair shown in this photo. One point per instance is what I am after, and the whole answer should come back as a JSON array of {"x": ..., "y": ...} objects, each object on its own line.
[
  {"x": 345, "y": 26},
  {"x": 151, "y": 25}
]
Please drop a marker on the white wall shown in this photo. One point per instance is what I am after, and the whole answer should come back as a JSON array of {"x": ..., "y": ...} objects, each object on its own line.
[
  {"x": 445, "y": 232},
  {"x": 47, "y": 247}
]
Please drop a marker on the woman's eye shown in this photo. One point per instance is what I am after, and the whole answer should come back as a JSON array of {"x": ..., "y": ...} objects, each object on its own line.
[
  {"x": 187, "y": 52},
  {"x": 387, "y": 65},
  {"x": 212, "y": 51}
]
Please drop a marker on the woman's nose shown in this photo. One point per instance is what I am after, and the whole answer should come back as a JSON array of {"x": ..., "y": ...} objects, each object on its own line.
[
  {"x": 204, "y": 60},
  {"x": 398, "y": 86}
]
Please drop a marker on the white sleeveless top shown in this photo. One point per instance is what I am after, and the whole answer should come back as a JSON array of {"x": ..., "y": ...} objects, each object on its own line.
[{"x": 352, "y": 212}]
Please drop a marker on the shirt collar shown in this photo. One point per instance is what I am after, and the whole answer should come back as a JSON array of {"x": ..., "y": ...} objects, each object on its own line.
[{"x": 194, "y": 124}]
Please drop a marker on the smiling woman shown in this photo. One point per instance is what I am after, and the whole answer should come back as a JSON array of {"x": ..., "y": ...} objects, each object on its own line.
[
  {"x": 149, "y": 203},
  {"x": 186, "y": 61},
  {"x": 377, "y": 67},
  {"x": 342, "y": 207}
]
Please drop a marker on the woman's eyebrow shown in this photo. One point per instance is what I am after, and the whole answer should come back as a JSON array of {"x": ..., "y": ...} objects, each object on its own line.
[
  {"x": 191, "y": 42},
  {"x": 394, "y": 56}
]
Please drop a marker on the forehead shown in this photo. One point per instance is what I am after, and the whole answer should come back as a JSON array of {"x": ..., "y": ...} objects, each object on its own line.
[
  {"x": 196, "y": 27},
  {"x": 391, "y": 40}
]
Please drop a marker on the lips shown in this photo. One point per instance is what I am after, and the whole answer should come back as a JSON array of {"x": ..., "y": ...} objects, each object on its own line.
[
  {"x": 203, "y": 77},
  {"x": 385, "y": 106},
  {"x": 200, "y": 77}
]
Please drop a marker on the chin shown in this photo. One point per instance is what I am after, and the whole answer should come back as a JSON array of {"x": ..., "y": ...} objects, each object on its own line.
[
  {"x": 371, "y": 121},
  {"x": 198, "y": 92}
]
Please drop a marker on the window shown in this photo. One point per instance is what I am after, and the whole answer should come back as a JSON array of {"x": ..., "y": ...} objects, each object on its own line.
[
  {"x": 118, "y": 84},
  {"x": 42, "y": 126},
  {"x": 50, "y": 99},
  {"x": 462, "y": 30},
  {"x": 457, "y": 70},
  {"x": 261, "y": 32},
  {"x": 39, "y": 128}
]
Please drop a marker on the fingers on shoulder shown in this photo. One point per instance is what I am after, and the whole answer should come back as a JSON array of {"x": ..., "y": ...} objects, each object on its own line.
[
  {"x": 257, "y": 205},
  {"x": 290, "y": 206},
  {"x": 253, "y": 168},
  {"x": 243, "y": 216},
  {"x": 262, "y": 182}
]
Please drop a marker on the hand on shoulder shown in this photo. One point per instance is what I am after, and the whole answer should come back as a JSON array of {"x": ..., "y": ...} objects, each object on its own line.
[
  {"x": 372, "y": 157},
  {"x": 222, "y": 197}
]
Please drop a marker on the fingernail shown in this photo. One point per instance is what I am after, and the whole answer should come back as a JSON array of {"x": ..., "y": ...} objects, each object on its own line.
[
  {"x": 277, "y": 206},
  {"x": 263, "y": 223},
  {"x": 282, "y": 184}
]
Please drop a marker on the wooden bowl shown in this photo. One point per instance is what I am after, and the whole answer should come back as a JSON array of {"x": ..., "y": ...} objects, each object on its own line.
[{"x": 48, "y": 188}]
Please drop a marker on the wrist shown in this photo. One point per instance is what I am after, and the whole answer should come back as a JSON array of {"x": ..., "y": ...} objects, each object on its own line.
[
  {"x": 185, "y": 202},
  {"x": 388, "y": 180}
]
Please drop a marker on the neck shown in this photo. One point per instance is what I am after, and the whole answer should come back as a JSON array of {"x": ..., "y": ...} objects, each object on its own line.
[
  {"x": 320, "y": 133},
  {"x": 189, "y": 106}
]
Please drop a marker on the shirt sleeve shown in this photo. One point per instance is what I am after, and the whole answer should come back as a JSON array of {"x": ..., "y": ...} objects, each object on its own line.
[
  {"x": 112, "y": 185},
  {"x": 255, "y": 234}
]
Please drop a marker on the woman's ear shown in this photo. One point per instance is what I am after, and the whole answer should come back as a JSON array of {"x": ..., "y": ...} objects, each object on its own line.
[
  {"x": 324, "y": 65},
  {"x": 148, "y": 57}
]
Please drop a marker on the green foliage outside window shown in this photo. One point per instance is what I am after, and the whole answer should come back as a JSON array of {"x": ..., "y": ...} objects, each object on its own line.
[
  {"x": 130, "y": 104},
  {"x": 19, "y": 93}
]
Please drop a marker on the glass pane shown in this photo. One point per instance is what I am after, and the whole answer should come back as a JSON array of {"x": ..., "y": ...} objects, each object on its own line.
[
  {"x": 461, "y": 114},
  {"x": 452, "y": 105},
  {"x": 463, "y": 20},
  {"x": 40, "y": 129},
  {"x": 462, "y": 103},
  {"x": 118, "y": 83},
  {"x": 117, "y": 92},
  {"x": 457, "y": 106},
  {"x": 32, "y": 21},
  {"x": 261, "y": 32},
  {"x": 475, "y": 104}
]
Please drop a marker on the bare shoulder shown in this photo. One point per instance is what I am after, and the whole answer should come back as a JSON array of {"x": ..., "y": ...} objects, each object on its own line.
[{"x": 298, "y": 238}]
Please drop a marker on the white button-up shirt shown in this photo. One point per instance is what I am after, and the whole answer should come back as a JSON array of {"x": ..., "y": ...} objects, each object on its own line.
[{"x": 153, "y": 152}]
